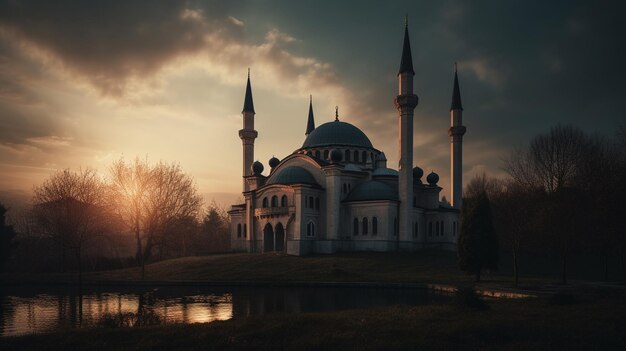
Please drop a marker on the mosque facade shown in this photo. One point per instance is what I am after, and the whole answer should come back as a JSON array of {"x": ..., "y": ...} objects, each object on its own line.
[{"x": 335, "y": 193}]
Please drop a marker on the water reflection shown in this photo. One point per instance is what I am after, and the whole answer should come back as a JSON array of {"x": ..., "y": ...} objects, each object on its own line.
[{"x": 22, "y": 311}]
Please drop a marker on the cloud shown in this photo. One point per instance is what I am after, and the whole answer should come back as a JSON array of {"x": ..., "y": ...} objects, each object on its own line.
[
  {"x": 110, "y": 42},
  {"x": 484, "y": 70}
]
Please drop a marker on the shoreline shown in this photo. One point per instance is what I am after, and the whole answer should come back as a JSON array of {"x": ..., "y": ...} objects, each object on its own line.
[{"x": 439, "y": 288}]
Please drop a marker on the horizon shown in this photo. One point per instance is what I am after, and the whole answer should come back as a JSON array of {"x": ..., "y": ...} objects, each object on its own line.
[{"x": 167, "y": 81}]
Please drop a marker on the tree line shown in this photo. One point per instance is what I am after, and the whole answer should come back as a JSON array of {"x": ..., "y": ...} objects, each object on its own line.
[
  {"x": 155, "y": 207},
  {"x": 563, "y": 197}
]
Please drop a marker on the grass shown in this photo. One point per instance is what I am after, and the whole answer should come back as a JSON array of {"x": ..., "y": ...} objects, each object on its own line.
[
  {"x": 529, "y": 324},
  {"x": 357, "y": 267},
  {"x": 271, "y": 267}
]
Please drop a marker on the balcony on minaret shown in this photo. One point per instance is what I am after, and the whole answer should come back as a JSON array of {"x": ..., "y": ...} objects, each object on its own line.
[{"x": 248, "y": 134}]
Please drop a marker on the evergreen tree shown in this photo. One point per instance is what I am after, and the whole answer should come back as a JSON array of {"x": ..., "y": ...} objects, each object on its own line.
[
  {"x": 7, "y": 233},
  {"x": 478, "y": 244}
]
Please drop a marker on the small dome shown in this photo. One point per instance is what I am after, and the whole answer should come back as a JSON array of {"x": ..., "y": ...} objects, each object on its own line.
[
  {"x": 417, "y": 173},
  {"x": 372, "y": 190},
  {"x": 336, "y": 155},
  {"x": 337, "y": 133},
  {"x": 274, "y": 162},
  {"x": 257, "y": 167},
  {"x": 432, "y": 178},
  {"x": 292, "y": 175}
]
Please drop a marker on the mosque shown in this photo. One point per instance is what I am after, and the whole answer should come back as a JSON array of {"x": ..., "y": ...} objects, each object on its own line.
[{"x": 335, "y": 193}]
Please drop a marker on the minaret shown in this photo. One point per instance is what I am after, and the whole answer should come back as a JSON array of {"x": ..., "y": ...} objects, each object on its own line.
[
  {"x": 248, "y": 134},
  {"x": 405, "y": 102},
  {"x": 310, "y": 125},
  {"x": 456, "y": 132}
]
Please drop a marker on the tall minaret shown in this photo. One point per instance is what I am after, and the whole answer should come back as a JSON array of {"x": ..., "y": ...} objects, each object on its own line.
[
  {"x": 248, "y": 134},
  {"x": 310, "y": 125},
  {"x": 456, "y": 131},
  {"x": 405, "y": 102}
]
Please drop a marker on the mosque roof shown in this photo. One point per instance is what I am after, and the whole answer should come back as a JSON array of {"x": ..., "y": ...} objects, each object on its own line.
[
  {"x": 372, "y": 190},
  {"x": 337, "y": 133},
  {"x": 385, "y": 172},
  {"x": 292, "y": 175}
]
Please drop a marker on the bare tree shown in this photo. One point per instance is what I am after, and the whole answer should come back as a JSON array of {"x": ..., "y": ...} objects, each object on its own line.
[
  {"x": 554, "y": 166},
  {"x": 69, "y": 208},
  {"x": 151, "y": 200},
  {"x": 551, "y": 161},
  {"x": 482, "y": 183}
]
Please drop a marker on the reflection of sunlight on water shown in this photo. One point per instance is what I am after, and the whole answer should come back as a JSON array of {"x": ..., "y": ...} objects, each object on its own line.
[
  {"x": 45, "y": 313},
  {"x": 197, "y": 309}
]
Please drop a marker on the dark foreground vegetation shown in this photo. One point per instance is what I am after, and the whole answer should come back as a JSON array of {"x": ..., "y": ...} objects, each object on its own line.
[{"x": 574, "y": 323}]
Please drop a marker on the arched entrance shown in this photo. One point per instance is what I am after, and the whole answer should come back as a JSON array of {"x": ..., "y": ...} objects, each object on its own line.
[
  {"x": 280, "y": 238},
  {"x": 268, "y": 238}
]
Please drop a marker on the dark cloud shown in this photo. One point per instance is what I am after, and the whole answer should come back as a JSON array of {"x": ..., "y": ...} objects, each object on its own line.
[{"x": 111, "y": 41}]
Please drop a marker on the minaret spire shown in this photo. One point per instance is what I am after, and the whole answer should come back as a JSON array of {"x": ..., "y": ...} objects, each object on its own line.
[
  {"x": 456, "y": 93},
  {"x": 456, "y": 132},
  {"x": 248, "y": 104},
  {"x": 248, "y": 134},
  {"x": 310, "y": 125},
  {"x": 406, "y": 62},
  {"x": 405, "y": 102}
]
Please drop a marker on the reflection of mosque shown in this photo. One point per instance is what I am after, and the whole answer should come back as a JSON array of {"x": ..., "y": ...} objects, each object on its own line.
[{"x": 336, "y": 193}]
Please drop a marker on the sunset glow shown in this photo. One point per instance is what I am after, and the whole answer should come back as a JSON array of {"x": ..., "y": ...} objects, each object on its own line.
[{"x": 169, "y": 84}]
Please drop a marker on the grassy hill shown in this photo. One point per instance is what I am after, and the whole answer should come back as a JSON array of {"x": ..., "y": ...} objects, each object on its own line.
[{"x": 358, "y": 267}]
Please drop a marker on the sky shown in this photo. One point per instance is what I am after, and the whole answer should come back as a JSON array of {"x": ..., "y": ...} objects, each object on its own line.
[{"x": 85, "y": 83}]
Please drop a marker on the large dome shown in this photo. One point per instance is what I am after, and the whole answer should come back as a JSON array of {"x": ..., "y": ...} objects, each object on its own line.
[
  {"x": 337, "y": 133},
  {"x": 292, "y": 175}
]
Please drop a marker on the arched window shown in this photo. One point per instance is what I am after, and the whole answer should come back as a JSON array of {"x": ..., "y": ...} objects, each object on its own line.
[
  {"x": 442, "y": 231},
  {"x": 415, "y": 230},
  {"x": 364, "y": 158},
  {"x": 437, "y": 228},
  {"x": 430, "y": 228},
  {"x": 326, "y": 154},
  {"x": 374, "y": 226},
  {"x": 347, "y": 156},
  {"x": 283, "y": 201},
  {"x": 245, "y": 230},
  {"x": 345, "y": 188},
  {"x": 364, "y": 229},
  {"x": 349, "y": 187},
  {"x": 355, "y": 227},
  {"x": 356, "y": 156},
  {"x": 239, "y": 230},
  {"x": 317, "y": 203},
  {"x": 310, "y": 229},
  {"x": 264, "y": 202},
  {"x": 311, "y": 202},
  {"x": 414, "y": 201},
  {"x": 274, "y": 201}
]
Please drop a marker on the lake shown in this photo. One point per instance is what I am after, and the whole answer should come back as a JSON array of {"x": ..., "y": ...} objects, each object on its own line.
[{"x": 25, "y": 310}]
